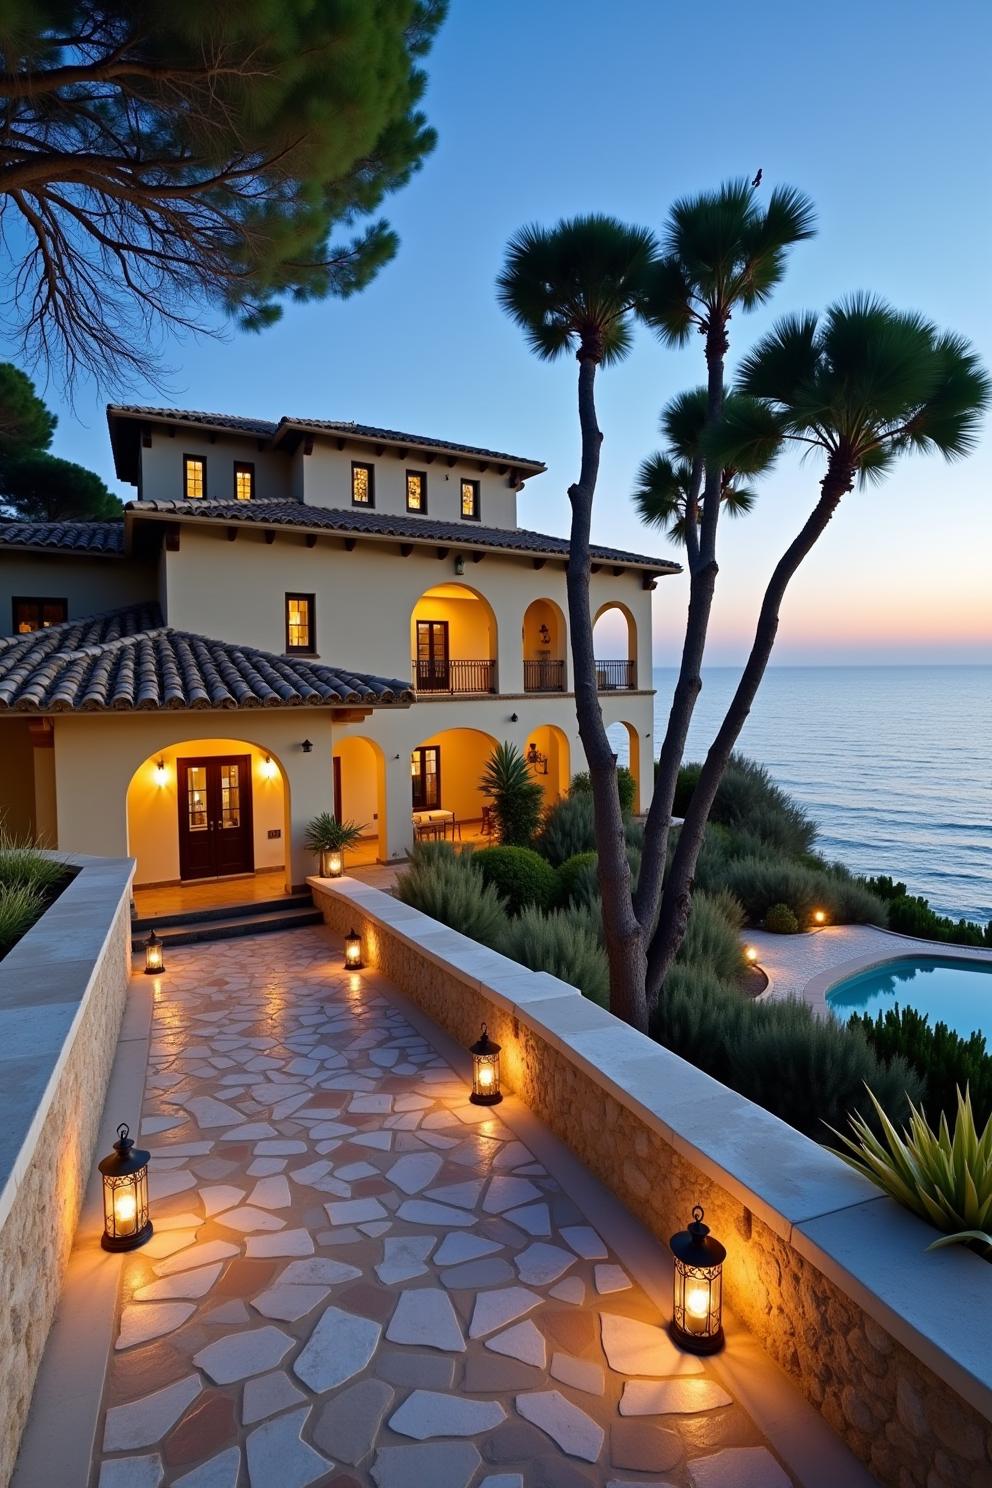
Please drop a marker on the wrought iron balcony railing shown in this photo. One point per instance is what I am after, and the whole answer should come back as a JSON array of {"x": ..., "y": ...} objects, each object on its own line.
[
  {"x": 454, "y": 676},
  {"x": 544, "y": 676},
  {"x": 616, "y": 676}
]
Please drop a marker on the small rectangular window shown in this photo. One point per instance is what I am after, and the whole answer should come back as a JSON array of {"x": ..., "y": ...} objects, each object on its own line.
[
  {"x": 416, "y": 491},
  {"x": 362, "y": 484},
  {"x": 299, "y": 622},
  {"x": 32, "y": 614},
  {"x": 194, "y": 477},
  {"x": 244, "y": 480},
  {"x": 471, "y": 509}
]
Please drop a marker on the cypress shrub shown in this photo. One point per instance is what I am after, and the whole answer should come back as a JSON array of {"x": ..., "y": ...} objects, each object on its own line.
[
  {"x": 567, "y": 830},
  {"x": 519, "y": 875},
  {"x": 711, "y": 939},
  {"x": 563, "y": 944},
  {"x": 911, "y": 914},
  {"x": 760, "y": 882},
  {"x": 943, "y": 1059},
  {"x": 626, "y": 787},
  {"x": 448, "y": 887},
  {"x": 577, "y": 882},
  {"x": 781, "y": 920},
  {"x": 748, "y": 800}
]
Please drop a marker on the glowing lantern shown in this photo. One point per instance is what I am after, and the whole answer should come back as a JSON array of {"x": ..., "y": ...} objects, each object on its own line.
[
  {"x": 353, "y": 951},
  {"x": 697, "y": 1304},
  {"x": 751, "y": 954},
  {"x": 154, "y": 964},
  {"x": 161, "y": 772},
  {"x": 125, "y": 1195},
  {"x": 334, "y": 864},
  {"x": 819, "y": 917},
  {"x": 267, "y": 769},
  {"x": 485, "y": 1071}
]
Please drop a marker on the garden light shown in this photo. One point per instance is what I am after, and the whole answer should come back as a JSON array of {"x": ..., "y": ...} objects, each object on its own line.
[
  {"x": 125, "y": 1195},
  {"x": 697, "y": 1304},
  {"x": 485, "y": 1071},
  {"x": 751, "y": 955},
  {"x": 353, "y": 951},
  {"x": 819, "y": 917},
  {"x": 154, "y": 964},
  {"x": 335, "y": 865}
]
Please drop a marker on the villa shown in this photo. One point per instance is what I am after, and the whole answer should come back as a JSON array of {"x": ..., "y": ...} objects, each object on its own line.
[{"x": 291, "y": 617}]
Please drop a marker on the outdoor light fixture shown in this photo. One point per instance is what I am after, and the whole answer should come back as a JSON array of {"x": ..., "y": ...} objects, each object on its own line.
[
  {"x": 161, "y": 773},
  {"x": 545, "y": 635},
  {"x": 459, "y": 564},
  {"x": 267, "y": 768},
  {"x": 514, "y": 717},
  {"x": 125, "y": 1195},
  {"x": 697, "y": 1306},
  {"x": 154, "y": 964},
  {"x": 819, "y": 917},
  {"x": 335, "y": 864},
  {"x": 353, "y": 951},
  {"x": 751, "y": 955},
  {"x": 537, "y": 761},
  {"x": 307, "y": 746},
  {"x": 485, "y": 1071}
]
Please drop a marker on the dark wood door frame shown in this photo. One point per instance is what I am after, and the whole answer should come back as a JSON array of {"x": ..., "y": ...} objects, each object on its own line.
[
  {"x": 419, "y": 780},
  {"x": 213, "y": 849}
]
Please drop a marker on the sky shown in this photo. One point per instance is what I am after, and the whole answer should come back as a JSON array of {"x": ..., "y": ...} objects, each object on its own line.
[{"x": 546, "y": 108}]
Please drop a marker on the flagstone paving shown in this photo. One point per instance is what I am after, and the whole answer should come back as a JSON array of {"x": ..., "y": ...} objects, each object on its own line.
[{"x": 358, "y": 1278}]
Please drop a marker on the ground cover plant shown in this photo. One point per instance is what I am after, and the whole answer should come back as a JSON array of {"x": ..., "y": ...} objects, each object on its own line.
[
  {"x": 910, "y": 914},
  {"x": 29, "y": 882}
]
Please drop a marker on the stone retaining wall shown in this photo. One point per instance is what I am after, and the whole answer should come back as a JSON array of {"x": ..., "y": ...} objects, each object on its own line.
[
  {"x": 62, "y": 994},
  {"x": 887, "y": 1341}
]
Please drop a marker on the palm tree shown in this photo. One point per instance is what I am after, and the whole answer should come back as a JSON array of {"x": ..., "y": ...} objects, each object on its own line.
[
  {"x": 576, "y": 288},
  {"x": 724, "y": 251},
  {"x": 861, "y": 386}
]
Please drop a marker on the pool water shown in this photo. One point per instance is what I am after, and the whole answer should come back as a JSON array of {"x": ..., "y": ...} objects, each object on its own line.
[{"x": 958, "y": 993}]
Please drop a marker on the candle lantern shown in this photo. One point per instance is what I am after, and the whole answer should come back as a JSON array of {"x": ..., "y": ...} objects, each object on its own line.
[
  {"x": 353, "y": 951},
  {"x": 485, "y": 1071},
  {"x": 333, "y": 863},
  {"x": 697, "y": 1311},
  {"x": 819, "y": 917},
  {"x": 751, "y": 955},
  {"x": 154, "y": 964},
  {"x": 125, "y": 1195}
]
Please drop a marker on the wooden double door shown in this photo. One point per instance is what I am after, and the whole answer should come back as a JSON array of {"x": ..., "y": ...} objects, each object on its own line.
[{"x": 215, "y": 816}]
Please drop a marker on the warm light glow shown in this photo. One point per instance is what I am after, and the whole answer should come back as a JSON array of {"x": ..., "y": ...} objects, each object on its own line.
[
  {"x": 161, "y": 773},
  {"x": 819, "y": 917},
  {"x": 125, "y": 1210},
  {"x": 751, "y": 954},
  {"x": 353, "y": 951},
  {"x": 267, "y": 768},
  {"x": 485, "y": 1076},
  {"x": 154, "y": 961},
  {"x": 335, "y": 865},
  {"x": 697, "y": 1301}
]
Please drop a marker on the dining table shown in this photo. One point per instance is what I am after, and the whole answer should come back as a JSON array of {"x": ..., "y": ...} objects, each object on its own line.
[{"x": 438, "y": 819}]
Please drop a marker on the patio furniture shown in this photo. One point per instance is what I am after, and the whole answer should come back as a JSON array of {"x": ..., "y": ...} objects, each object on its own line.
[
  {"x": 488, "y": 825},
  {"x": 432, "y": 824}
]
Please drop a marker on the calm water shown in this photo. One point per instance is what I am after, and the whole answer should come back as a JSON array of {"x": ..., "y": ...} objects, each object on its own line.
[
  {"x": 893, "y": 763},
  {"x": 950, "y": 991}
]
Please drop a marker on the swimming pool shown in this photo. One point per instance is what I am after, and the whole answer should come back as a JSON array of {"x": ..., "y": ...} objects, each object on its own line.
[{"x": 955, "y": 992}]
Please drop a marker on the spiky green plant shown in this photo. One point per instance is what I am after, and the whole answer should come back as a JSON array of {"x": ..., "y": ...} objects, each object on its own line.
[
  {"x": 20, "y": 905},
  {"x": 324, "y": 833},
  {"x": 945, "y": 1179},
  {"x": 515, "y": 794},
  {"x": 21, "y": 863}
]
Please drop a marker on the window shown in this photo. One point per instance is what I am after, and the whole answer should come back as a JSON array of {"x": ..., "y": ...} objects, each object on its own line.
[
  {"x": 416, "y": 491},
  {"x": 470, "y": 500},
  {"x": 244, "y": 480},
  {"x": 299, "y": 622},
  {"x": 38, "y": 614},
  {"x": 425, "y": 778},
  {"x": 362, "y": 484},
  {"x": 194, "y": 477}
]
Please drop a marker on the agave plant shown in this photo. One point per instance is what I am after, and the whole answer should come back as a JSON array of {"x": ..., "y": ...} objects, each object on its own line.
[
  {"x": 945, "y": 1179},
  {"x": 325, "y": 835}
]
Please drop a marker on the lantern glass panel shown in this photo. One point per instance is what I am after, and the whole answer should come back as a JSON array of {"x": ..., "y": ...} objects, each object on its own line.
[
  {"x": 126, "y": 1221},
  {"x": 697, "y": 1295},
  {"x": 353, "y": 951},
  {"x": 335, "y": 864},
  {"x": 485, "y": 1071}
]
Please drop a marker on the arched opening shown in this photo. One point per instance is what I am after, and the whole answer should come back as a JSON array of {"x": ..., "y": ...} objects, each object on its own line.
[
  {"x": 544, "y": 644},
  {"x": 615, "y": 647},
  {"x": 205, "y": 810},
  {"x": 624, "y": 741},
  {"x": 548, "y": 755},
  {"x": 445, "y": 771},
  {"x": 453, "y": 640},
  {"x": 360, "y": 796}
]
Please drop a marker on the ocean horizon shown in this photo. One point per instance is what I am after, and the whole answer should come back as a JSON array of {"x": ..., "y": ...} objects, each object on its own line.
[{"x": 893, "y": 763}]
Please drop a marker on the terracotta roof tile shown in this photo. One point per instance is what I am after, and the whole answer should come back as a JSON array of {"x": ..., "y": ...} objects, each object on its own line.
[{"x": 80, "y": 537}]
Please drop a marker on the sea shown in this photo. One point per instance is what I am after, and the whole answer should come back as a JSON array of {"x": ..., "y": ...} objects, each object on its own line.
[{"x": 893, "y": 763}]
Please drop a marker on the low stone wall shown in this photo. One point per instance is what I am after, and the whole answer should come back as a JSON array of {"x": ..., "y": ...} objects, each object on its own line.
[
  {"x": 62, "y": 994},
  {"x": 888, "y": 1342}
]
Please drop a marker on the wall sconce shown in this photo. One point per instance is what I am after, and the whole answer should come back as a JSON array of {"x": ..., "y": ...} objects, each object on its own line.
[
  {"x": 267, "y": 769},
  {"x": 307, "y": 746},
  {"x": 154, "y": 964},
  {"x": 514, "y": 718},
  {"x": 485, "y": 1071},
  {"x": 353, "y": 951},
  {"x": 537, "y": 761},
  {"x": 819, "y": 917},
  {"x": 545, "y": 635},
  {"x": 161, "y": 772},
  {"x": 697, "y": 1304},
  {"x": 125, "y": 1195},
  {"x": 459, "y": 564}
]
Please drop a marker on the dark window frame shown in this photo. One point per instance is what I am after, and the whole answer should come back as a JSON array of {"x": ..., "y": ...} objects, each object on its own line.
[
  {"x": 310, "y": 649},
  {"x": 419, "y": 780},
  {"x": 200, "y": 460},
  {"x": 476, "y": 514},
  {"x": 38, "y": 601},
  {"x": 363, "y": 465},
  {"x": 242, "y": 467},
  {"x": 421, "y": 510}
]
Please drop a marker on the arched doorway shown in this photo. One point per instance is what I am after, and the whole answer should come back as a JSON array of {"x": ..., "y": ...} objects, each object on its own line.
[
  {"x": 544, "y": 642},
  {"x": 548, "y": 755},
  {"x": 360, "y": 796},
  {"x": 615, "y": 647},
  {"x": 445, "y": 770},
  {"x": 207, "y": 809},
  {"x": 625, "y": 742},
  {"x": 453, "y": 641}
]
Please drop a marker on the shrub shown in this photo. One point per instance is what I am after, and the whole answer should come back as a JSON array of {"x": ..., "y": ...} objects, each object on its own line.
[
  {"x": 519, "y": 875},
  {"x": 626, "y": 787},
  {"x": 515, "y": 795},
  {"x": 699, "y": 1017},
  {"x": 324, "y": 833},
  {"x": 23, "y": 864},
  {"x": 577, "y": 879},
  {"x": 748, "y": 800},
  {"x": 944, "y": 1060},
  {"x": 711, "y": 939},
  {"x": 567, "y": 830},
  {"x": 563, "y": 944},
  {"x": 911, "y": 914},
  {"x": 449, "y": 888},
  {"x": 20, "y": 905},
  {"x": 780, "y": 920},
  {"x": 760, "y": 882}
]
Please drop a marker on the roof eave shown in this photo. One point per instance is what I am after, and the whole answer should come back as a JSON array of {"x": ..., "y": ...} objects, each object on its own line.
[{"x": 302, "y": 426}]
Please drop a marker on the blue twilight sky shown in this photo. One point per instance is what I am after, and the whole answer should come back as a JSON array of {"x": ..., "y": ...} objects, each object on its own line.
[{"x": 879, "y": 109}]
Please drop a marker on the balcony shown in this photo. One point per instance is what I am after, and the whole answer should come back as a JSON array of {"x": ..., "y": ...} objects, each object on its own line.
[
  {"x": 450, "y": 677},
  {"x": 544, "y": 676},
  {"x": 616, "y": 676}
]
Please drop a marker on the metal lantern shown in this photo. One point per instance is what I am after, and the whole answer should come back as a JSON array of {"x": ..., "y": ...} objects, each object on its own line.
[
  {"x": 125, "y": 1195},
  {"x": 697, "y": 1310},
  {"x": 334, "y": 864},
  {"x": 485, "y": 1071},
  {"x": 154, "y": 964},
  {"x": 353, "y": 951}
]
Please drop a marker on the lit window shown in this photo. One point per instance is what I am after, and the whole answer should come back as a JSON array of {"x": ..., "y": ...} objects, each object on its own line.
[
  {"x": 299, "y": 622},
  {"x": 244, "y": 480},
  {"x": 362, "y": 484},
  {"x": 38, "y": 614},
  {"x": 194, "y": 477},
  {"x": 416, "y": 491},
  {"x": 470, "y": 500}
]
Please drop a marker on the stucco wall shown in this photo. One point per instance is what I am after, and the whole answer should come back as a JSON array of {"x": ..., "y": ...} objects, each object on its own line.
[
  {"x": 62, "y": 994},
  {"x": 327, "y": 482},
  {"x": 89, "y": 585},
  {"x": 162, "y": 466},
  {"x": 17, "y": 803},
  {"x": 887, "y": 1341}
]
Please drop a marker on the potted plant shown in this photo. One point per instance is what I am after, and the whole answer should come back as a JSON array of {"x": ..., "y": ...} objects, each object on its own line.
[{"x": 329, "y": 839}]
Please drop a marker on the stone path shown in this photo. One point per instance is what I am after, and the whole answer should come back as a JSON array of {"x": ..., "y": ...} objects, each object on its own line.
[{"x": 359, "y": 1278}]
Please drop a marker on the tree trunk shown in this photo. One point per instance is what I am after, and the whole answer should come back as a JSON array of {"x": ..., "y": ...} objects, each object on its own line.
[
  {"x": 624, "y": 943},
  {"x": 677, "y": 898}
]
